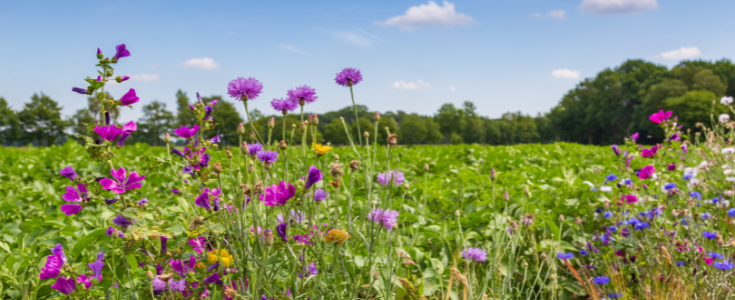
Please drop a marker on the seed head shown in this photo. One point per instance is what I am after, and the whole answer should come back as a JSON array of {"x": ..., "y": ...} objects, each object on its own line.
[
  {"x": 392, "y": 139},
  {"x": 217, "y": 167},
  {"x": 354, "y": 164},
  {"x": 282, "y": 145}
]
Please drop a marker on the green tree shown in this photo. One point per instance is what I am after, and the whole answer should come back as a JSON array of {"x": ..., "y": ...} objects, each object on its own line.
[
  {"x": 155, "y": 123},
  {"x": 41, "y": 121},
  {"x": 433, "y": 132},
  {"x": 226, "y": 119},
  {"x": 693, "y": 107},
  {"x": 450, "y": 120},
  {"x": 79, "y": 121},
  {"x": 10, "y": 129},
  {"x": 184, "y": 115},
  {"x": 413, "y": 129},
  {"x": 707, "y": 80}
]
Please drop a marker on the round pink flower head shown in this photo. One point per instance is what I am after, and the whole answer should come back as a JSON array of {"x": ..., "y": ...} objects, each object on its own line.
[
  {"x": 348, "y": 77},
  {"x": 244, "y": 89},
  {"x": 302, "y": 94}
]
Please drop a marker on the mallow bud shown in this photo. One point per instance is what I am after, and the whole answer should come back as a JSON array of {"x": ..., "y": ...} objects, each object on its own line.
[
  {"x": 99, "y": 54},
  {"x": 167, "y": 138}
]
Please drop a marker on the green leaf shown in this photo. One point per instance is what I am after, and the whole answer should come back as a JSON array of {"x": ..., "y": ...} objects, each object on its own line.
[
  {"x": 86, "y": 241},
  {"x": 132, "y": 262},
  {"x": 5, "y": 247}
]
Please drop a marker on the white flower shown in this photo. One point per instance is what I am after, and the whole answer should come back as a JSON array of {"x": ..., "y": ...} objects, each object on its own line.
[
  {"x": 725, "y": 203},
  {"x": 726, "y": 100},
  {"x": 729, "y": 193},
  {"x": 606, "y": 188},
  {"x": 728, "y": 150},
  {"x": 727, "y": 172},
  {"x": 730, "y": 179},
  {"x": 724, "y": 118}
]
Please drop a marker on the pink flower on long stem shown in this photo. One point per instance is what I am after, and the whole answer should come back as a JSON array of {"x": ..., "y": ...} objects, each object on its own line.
[
  {"x": 277, "y": 195},
  {"x": 129, "y": 98},
  {"x": 78, "y": 197},
  {"x": 122, "y": 182},
  {"x": 650, "y": 153},
  {"x": 186, "y": 132},
  {"x": 646, "y": 172},
  {"x": 660, "y": 116}
]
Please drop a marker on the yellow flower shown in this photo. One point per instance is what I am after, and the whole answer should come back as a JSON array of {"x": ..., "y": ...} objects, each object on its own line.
[
  {"x": 337, "y": 235},
  {"x": 220, "y": 255},
  {"x": 200, "y": 265},
  {"x": 320, "y": 150}
]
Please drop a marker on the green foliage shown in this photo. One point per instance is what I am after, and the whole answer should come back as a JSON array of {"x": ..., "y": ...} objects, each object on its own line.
[
  {"x": 10, "y": 127},
  {"x": 155, "y": 123},
  {"x": 41, "y": 121}
]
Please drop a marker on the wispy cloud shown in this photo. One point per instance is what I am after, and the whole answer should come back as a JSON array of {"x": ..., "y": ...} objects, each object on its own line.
[
  {"x": 418, "y": 85},
  {"x": 554, "y": 14},
  {"x": 352, "y": 38},
  {"x": 617, "y": 6},
  {"x": 291, "y": 48},
  {"x": 451, "y": 88},
  {"x": 427, "y": 15},
  {"x": 565, "y": 73},
  {"x": 204, "y": 63},
  {"x": 372, "y": 36},
  {"x": 681, "y": 53}
]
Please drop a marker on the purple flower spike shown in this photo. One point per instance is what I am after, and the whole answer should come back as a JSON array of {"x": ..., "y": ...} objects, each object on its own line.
[
  {"x": 68, "y": 172},
  {"x": 121, "y": 182},
  {"x": 284, "y": 105},
  {"x": 302, "y": 94},
  {"x": 64, "y": 285},
  {"x": 79, "y": 90},
  {"x": 214, "y": 278},
  {"x": 164, "y": 247},
  {"x": 129, "y": 98},
  {"x": 108, "y": 133},
  {"x": 281, "y": 230},
  {"x": 267, "y": 157},
  {"x": 244, "y": 89},
  {"x": 278, "y": 195},
  {"x": 474, "y": 254},
  {"x": 388, "y": 218},
  {"x": 186, "y": 132},
  {"x": 121, "y": 51},
  {"x": 348, "y": 77},
  {"x": 315, "y": 175}
]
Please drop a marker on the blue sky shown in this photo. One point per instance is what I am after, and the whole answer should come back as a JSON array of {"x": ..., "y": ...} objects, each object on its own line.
[{"x": 504, "y": 55}]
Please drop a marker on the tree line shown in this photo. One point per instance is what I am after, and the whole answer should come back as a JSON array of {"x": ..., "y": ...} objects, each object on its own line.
[{"x": 600, "y": 110}]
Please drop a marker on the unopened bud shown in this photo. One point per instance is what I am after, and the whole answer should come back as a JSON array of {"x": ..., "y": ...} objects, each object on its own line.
[
  {"x": 240, "y": 129},
  {"x": 527, "y": 192},
  {"x": 506, "y": 196},
  {"x": 109, "y": 72},
  {"x": 426, "y": 167},
  {"x": 561, "y": 218},
  {"x": 94, "y": 281},
  {"x": 303, "y": 127},
  {"x": 366, "y": 134},
  {"x": 354, "y": 164},
  {"x": 493, "y": 175},
  {"x": 113, "y": 60},
  {"x": 149, "y": 275},
  {"x": 456, "y": 213},
  {"x": 229, "y": 154},
  {"x": 282, "y": 145},
  {"x": 167, "y": 138},
  {"x": 272, "y": 123},
  {"x": 99, "y": 54},
  {"x": 217, "y": 167},
  {"x": 244, "y": 149},
  {"x": 336, "y": 170},
  {"x": 252, "y": 136},
  {"x": 377, "y": 117},
  {"x": 316, "y": 119}
]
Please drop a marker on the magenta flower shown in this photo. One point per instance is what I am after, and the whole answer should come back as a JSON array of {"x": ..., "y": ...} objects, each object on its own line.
[
  {"x": 108, "y": 133},
  {"x": 183, "y": 267},
  {"x": 634, "y": 137},
  {"x": 302, "y": 94},
  {"x": 315, "y": 175},
  {"x": 254, "y": 148},
  {"x": 121, "y": 182},
  {"x": 671, "y": 167},
  {"x": 244, "y": 89},
  {"x": 130, "y": 127},
  {"x": 129, "y": 98},
  {"x": 124, "y": 78},
  {"x": 79, "y": 90},
  {"x": 64, "y": 285},
  {"x": 388, "y": 218},
  {"x": 630, "y": 199},
  {"x": 186, "y": 132},
  {"x": 72, "y": 195},
  {"x": 277, "y": 195},
  {"x": 124, "y": 136},
  {"x": 348, "y": 77},
  {"x": 684, "y": 148},
  {"x": 215, "y": 139},
  {"x": 121, "y": 51},
  {"x": 650, "y": 153},
  {"x": 284, "y": 105},
  {"x": 198, "y": 244},
  {"x": 203, "y": 199},
  {"x": 474, "y": 254},
  {"x": 660, "y": 116},
  {"x": 52, "y": 269},
  {"x": 393, "y": 175},
  {"x": 646, "y": 172},
  {"x": 97, "y": 266},
  {"x": 68, "y": 172}
]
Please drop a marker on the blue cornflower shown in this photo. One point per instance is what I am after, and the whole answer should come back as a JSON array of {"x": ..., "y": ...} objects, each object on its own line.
[
  {"x": 695, "y": 195},
  {"x": 607, "y": 214},
  {"x": 615, "y": 295},
  {"x": 715, "y": 200},
  {"x": 669, "y": 186},
  {"x": 706, "y": 216},
  {"x": 602, "y": 280},
  {"x": 628, "y": 182},
  {"x": 583, "y": 252},
  {"x": 731, "y": 212},
  {"x": 611, "y": 177},
  {"x": 709, "y": 235},
  {"x": 725, "y": 265},
  {"x": 715, "y": 255},
  {"x": 642, "y": 225},
  {"x": 680, "y": 264},
  {"x": 565, "y": 256},
  {"x": 613, "y": 229},
  {"x": 633, "y": 221}
]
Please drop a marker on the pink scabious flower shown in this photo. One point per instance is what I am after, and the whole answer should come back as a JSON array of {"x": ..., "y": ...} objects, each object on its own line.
[
  {"x": 474, "y": 254},
  {"x": 284, "y": 105},
  {"x": 244, "y": 89},
  {"x": 121, "y": 51},
  {"x": 650, "y": 153},
  {"x": 387, "y": 218},
  {"x": 647, "y": 172},
  {"x": 186, "y": 132},
  {"x": 129, "y": 98},
  {"x": 78, "y": 195},
  {"x": 278, "y": 195},
  {"x": 122, "y": 182},
  {"x": 348, "y": 77},
  {"x": 393, "y": 175},
  {"x": 108, "y": 133},
  {"x": 660, "y": 116},
  {"x": 302, "y": 94}
]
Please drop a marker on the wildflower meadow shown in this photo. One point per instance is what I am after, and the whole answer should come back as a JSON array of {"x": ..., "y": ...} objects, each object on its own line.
[{"x": 285, "y": 217}]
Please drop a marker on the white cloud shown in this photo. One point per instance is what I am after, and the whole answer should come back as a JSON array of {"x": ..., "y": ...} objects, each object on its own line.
[
  {"x": 291, "y": 48},
  {"x": 145, "y": 77},
  {"x": 554, "y": 14},
  {"x": 565, "y": 73},
  {"x": 204, "y": 63},
  {"x": 617, "y": 6},
  {"x": 352, "y": 38},
  {"x": 428, "y": 14},
  {"x": 451, "y": 88},
  {"x": 681, "y": 53},
  {"x": 418, "y": 85}
]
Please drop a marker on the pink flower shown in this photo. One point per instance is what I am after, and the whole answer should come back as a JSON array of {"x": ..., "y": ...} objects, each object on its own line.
[
  {"x": 660, "y": 116},
  {"x": 185, "y": 132},
  {"x": 277, "y": 195},
  {"x": 129, "y": 98},
  {"x": 646, "y": 172},
  {"x": 650, "y": 153},
  {"x": 72, "y": 195},
  {"x": 631, "y": 199},
  {"x": 122, "y": 182}
]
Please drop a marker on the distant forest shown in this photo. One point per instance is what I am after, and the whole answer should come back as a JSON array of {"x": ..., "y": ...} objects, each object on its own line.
[{"x": 600, "y": 110}]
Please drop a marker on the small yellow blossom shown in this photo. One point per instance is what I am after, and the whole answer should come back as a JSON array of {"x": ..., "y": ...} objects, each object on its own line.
[
  {"x": 320, "y": 150},
  {"x": 217, "y": 255},
  {"x": 200, "y": 265},
  {"x": 337, "y": 235}
]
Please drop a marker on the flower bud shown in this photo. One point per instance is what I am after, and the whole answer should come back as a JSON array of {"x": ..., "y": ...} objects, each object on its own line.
[
  {"x": 561, "y": 218},
  {"x": 229, "y": 154},
  {"x": 240, "y": 129},
  {"x": 99, "y": 54},
  {"x": 244, "y": 149},
  {"x": 426, "y": 167},
  {"x": 392, "y": 139},
  {"x": 366, "y": 134},
  {"x": 456, "y": 213},
  {"x": 230, "y": 292},
  {"x": 113, "y": 60},
  {"x": 94, "y": 281},
  {"x": 109, "y": 72},
  {"x": 217, "y": 167},
  {"x": 252, "y": 136},
  {"x": 354, "y": 164},
  {"x": 149, "y": 275},
  {"x": 303, "y": 127},
  {"x": 336, "y": 156},
  {"x": 316, "y": 119},
  {"x": 167, "y": 138},
  {"x": 282, "y": 145},
  {"x": 377, "y": 117},
  {"x": 272, "y": 123},
  {"x": 506, "y": 196},
  {"x": 527, "y": 192},
  {"x": 493, "y": 175},
  {"x": 336, "y": 170}
]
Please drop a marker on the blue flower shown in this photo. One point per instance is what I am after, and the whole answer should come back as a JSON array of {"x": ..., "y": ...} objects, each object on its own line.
[
  {"x": 602, "y": 280},
  {"x": 607, "y": 214},
  {"x": 725, "y": 265},
  {"x": 628, "y": 182},
  {"x": 565, "y": 256},
  {"x": 709, "y": 235},
  {"x": 583, "y": 252},
  {"x": 680, "y": 264},
  {"x": 611, "y": 177},
  {"x": 642, "y": 225},
  {"x": 615, "y": 295},
  {"x": 706, "y": 216},
  {"x": 633, "y": 221},
  {"x": 688, "y": 176},
  {"x": 715, "y": 255},
  {"x": 695, "y": 195},
  {"x": 715, "y": 200},
  {"x": 613, "y": 229},
  {"x": 731, "y": 212},
  {"x": 669, "y": 186}
]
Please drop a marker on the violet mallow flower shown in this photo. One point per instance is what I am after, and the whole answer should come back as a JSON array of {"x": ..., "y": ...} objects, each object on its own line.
[
  {"x": 182, "y": 267},
  {"x": 214, "y": 278},
  {"x": 129, "y": 98},
  {"x": 122, "y": 182},
  {"x": 348, "y": 77},
  {"x": 474, "y": 254},
  {"x": 314, "y": 176},
  {"x": 284, "y": 105},
  {"x": 52, "y": 268},
  {"x": 79, "y": 90},
  {"x": 302, "y": 94},
  {"x": 120, "y": 52},
  {"x": 121, "y": 221},
  {"x": 108, "y": 133},
  {"x": 281, "y": 230},
  {"x": 244, "y": 89},
  {"x": 647, "y": 172},
  {"x": 649, "y": 153},
  {"x": 393, "y": 175},
  {"x": 68, "y": 172},
  {"x": 77, "y": 196},
  {"x": 64, "y": 285},
  {"x": 277, "y": 195},
  {"x": 634, "y": 137},
  {"x": 198, "y": 244},
  {"x": 203, "y": 199},
  {"x": 186, "y": 132},
  {"x": 660, "y": 116},
  {"x": 616, "y": 149},
  {"x": 388, "y": 218}
]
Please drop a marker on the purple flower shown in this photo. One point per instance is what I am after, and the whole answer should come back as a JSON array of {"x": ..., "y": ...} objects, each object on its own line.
[
  {"x": 320, "y": 195},
  {"x": 215, "y": 139},
  {"x": 634, "y": 137},
  {"x": 214, "y": 278},
  {"x": 709, "y": 235},
  {"x": 204, "y": 161},
  {"x": 186, "y": 132},
  {"x": 244, "y": 89},
  {"x": 130, "y": 126},
  {"x": 268, "y": 157},
  {"x": 207, "y": 111},
  {"x": 177, "y": 286},
  {"x": 302, "y": 94},
  {"x": 164, "y": 246},
  {"x": 387, "y": 218},
  {"x": 122, "y": 139},
  {"x": 158, "y": 284},
  {"x": 254, "y": 148},
  {"x": 121, "y": 182},
  {"x": 281, "y": 230},
  {"x": 315, "y": 175},
  {"x": 602, "y": 280},
  {"x": 474, "y": 254},
  {"x": 348, "y": 77},
  {"x": 647, "y": 172},
  {"x": 616, "y": 149},
  {"x": 59, "y": 251},
  {"x": 277, "y": 195},
  {"x": 64, "y": 285},
  {"x": 565, "y": 256},
  {"x": 725, "y": 265},
  {"x": 77, "y": 195},
  {"x": 79, "y": 90},
  {"x": 284, "y": 105},
  {"x": 121, "y": 51},
  {"x": 97, "y": 266},
  {"x": 182, "y": 267},
  {"x": 129, "y": 98},
  {"x": 177, "y": 152},
  {"x": 52, "y": 269},
  {"x": 114, "y": 233},
  {"x": 108, "y": 133},
  {"x": 203, "y": 199},
  {"x": 198, "y": 244},
  {"x": 393, "y": 175},
  {"x": 121, "y": 221},
  {"x": 124, "y": 78},
  {"x": 68, "y": 172}
]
